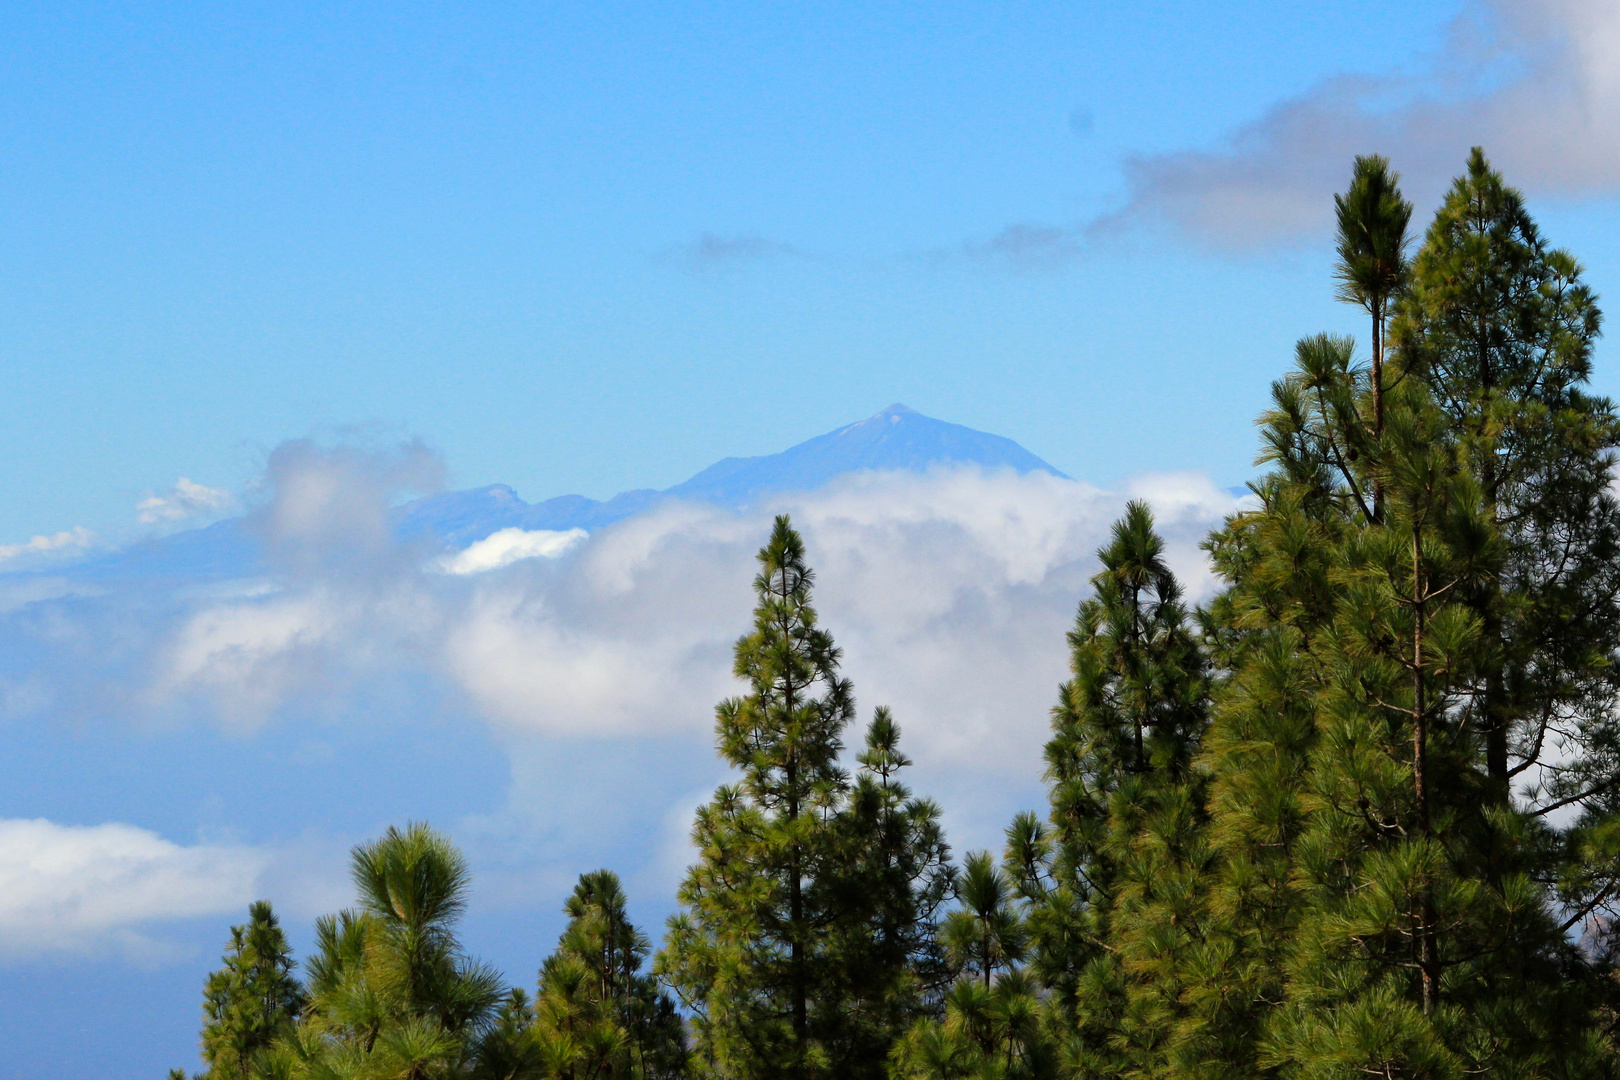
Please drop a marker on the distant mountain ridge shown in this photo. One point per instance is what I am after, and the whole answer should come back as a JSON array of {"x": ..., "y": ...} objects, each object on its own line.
[{"x": 897, "y": 438}]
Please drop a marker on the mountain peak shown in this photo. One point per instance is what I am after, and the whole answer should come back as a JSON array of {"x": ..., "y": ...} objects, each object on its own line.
[{"x": 897, "y": 438}]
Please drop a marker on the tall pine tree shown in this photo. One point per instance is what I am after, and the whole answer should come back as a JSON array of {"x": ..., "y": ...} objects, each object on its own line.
[
  {"x": 598, "y": 1013},
  {"x": 809, "y": 903},
  {"x": 1379, "y": 899},
  {"x": 391, "y": 992},
  {"x": 1501, "y": 327},
  {"x": 1114, "y": 889},
  {"x": 252, "y": 1000}
]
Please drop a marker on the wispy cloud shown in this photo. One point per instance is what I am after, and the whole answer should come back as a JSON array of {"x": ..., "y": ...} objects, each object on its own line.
[
  {"x": 712, "y": 251},
  {"x": 1027, "y": 247},
  {"x": 67, "y": 888},
  {"x": 507, "y": 546},
  {"x": 1535, "y": 82}
]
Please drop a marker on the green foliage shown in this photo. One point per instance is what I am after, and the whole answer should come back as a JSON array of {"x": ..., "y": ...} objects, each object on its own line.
[
  {"x": 391, "y": 994},
  {"x": 1372, "y": 269},
  {"x": 1372, "y": 218},
  {"x": 598, "y": 1015},
  {"x": 990, "y": 1032},
  {"x": 885, "y": 885},
  {"x": 1376, "y": 896},
  {"x": 252, "y": 999},
  {"x": 1501, "y": 328},
  {"x": 985, "y": 935},
  {"x": 806, "y": 934}
]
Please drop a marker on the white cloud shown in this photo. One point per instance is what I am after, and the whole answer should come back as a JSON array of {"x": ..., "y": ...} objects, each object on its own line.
[
  {"x": 70, "y": 542},
  {"x": 1535, "y": 82},
  {"x": 82, "y": 888},
  {"x": 344, "y": 604},
  {"x": 249, "y": 658},
  {"x": 508, "y": 546},
  {"x": 186, "y": 500},
  {"x": 950, "y": 592}
]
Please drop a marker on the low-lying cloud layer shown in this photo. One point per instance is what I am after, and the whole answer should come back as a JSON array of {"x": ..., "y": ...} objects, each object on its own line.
[
  {"x": 589, "y": 660},
  {"x": 949, "y": 590}
]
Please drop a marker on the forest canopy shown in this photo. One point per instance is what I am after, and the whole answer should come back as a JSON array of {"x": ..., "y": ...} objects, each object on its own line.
[{"x": 1356, "y": 815}]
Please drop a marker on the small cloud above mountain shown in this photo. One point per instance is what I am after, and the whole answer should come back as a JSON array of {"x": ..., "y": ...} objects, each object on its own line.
[
  {"x": 185, "y": 501},
  {"x": 46, "y": 548}
]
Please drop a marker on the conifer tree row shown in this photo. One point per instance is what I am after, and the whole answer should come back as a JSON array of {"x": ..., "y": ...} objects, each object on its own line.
[{"x": 1353, "y": 869}]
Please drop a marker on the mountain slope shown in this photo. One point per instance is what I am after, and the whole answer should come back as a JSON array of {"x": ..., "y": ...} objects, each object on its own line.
[{"x": 897, "y": 438}]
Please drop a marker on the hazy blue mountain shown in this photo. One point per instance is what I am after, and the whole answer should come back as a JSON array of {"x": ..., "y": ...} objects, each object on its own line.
[
  {"x": 459, "y": 518},
  {"x": 897, "y": 438}
]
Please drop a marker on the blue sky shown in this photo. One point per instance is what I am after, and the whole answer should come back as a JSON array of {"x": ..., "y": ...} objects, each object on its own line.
[
  {"x": 315, "y": 259},
  {"x": 478, "y": 223}
]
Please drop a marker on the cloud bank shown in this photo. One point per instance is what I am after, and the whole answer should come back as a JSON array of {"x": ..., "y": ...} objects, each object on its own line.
[
  {"x": 592, "y": 663},
  {"x": 950, "y": 591},
  {"x": 1533, "y": 81}
]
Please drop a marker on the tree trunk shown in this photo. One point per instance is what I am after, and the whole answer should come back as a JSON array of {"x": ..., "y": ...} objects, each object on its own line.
[
  {"x": 801, "y": 1012},
  {"x": 1428, "y": 943},
  {"x": 1378, "y": 405},
  {"x": 1498, "y": 713}
]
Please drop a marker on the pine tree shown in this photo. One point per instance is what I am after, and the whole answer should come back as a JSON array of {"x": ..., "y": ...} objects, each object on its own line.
[
  {"x": 391, "y": 993},
  {"x": 507, "y": 1048},
  {"x": 1113, "y": 889},
  {"x": 252, "y": 999},
  {"x": 1427, "y": 945},
  {"x": 1378, "y": 899},
  {"x": 1384, "y": 858},
  {"x": 985, "y": 935},
  {"x": 1267, "y": 631},
  {"x": 992, "y": 1024},
  {"x": 1372, "y": 268},
  {"x": 598, "y": 1014},
  {"x": 762, "y": 953},
  {"x": 1501, "y": 328},
  {"x": 887, "y": 883}
]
